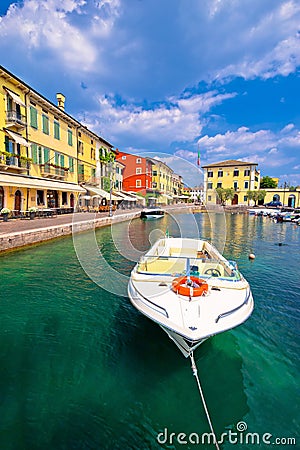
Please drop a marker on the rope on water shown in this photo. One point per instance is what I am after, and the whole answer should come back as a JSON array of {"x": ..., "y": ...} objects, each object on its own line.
[{"x": 195, "y": 373}]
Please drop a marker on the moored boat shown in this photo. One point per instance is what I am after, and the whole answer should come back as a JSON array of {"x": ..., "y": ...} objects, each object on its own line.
[
  {"x": 188, "y": 288},
  {"x": 152, "y": 213}
]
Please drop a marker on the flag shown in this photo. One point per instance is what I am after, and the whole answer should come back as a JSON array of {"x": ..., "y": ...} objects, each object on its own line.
[{"x": 198, "y": 160}]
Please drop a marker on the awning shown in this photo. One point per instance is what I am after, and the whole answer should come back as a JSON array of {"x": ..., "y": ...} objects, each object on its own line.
[
  {"x": 125, "y": 197},
  {"x": 38, "y": 183},
  {"x": 101, "y": 192},
  {"x": 15, "y": 97},
  {"x": 17, "y": 138}
]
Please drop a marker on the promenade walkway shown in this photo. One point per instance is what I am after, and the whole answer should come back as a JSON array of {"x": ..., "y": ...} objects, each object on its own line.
[{"x": 19, "y": 225}]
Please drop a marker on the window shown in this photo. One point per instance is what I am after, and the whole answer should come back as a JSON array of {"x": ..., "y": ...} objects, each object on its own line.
[
  {"x": 64, "y": 198},
  {"x": 93, "y": 153},
  {"x": 246, "y": 173},
  {"x": 80, "y": 147},
  {"x": 220, "y": 173},
  {"x": 219, "y": 185},
  {"x": 236, "y": 173},
  {"x": 246, "y": 184},
  {"x": 235, "y": 185},
  {"x": 62, "y": 161},
  {"x": 210, "y": 174},
  {"x": 256, "y": 178},
  {"x": 138, "y": 183},
  {"x": 70, "y": 136},
  {"x": 245, "y": 198},
  {"x": 40, "y": 197},
  {"x": 209, "y": 185},
  {"x": 45, "y": 124},
  {"x": 138, "y": 170},
  {"x": 56, "y": 129},
  {"x": 71, "y": 164},
  {"x": 209, "y": 198},
  {"x": 154, "y": 173},
  {"x": 33, "y": 117},
  {"x": 123, "y": 157},
  {"x": 154, "y": 185},
  {"x": 138, "y": 160},
  {"x": 40, "y": 156}
]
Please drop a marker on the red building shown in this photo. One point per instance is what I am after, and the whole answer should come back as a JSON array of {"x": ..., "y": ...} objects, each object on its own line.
[{"x": 137, "y": 173}]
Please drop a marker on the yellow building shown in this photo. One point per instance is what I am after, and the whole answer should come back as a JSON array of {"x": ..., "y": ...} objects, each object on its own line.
[
  {"x": 162, "y": 181},
  {"x": 241, "y": 176},
  {"x": 45, "y": 154},
  {"x": 283, "y": 195}
]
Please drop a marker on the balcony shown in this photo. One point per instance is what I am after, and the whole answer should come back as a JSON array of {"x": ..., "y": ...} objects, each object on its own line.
[
  {"x": 15, "y": 119},
  {"x": 14, "y": 163},
  {"x": 54, "y": 172},
  {"x": 93, "y": 181}
]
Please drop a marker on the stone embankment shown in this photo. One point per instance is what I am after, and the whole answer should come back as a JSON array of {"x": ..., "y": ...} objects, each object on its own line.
[{"x": 18, "y": 233}]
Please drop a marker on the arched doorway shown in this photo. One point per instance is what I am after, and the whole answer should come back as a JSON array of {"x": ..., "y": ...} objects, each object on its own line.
[
  {"x": 235, "y": 200},
  {"x": 18, "y": 199},
  {"x": 72, "y": 200},
  {"x": 292, "y": 201},
  {"x": 1, "y": 197}
]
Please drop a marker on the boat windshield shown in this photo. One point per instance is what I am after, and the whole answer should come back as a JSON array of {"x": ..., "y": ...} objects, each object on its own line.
[{"x": 180, "y": 266}]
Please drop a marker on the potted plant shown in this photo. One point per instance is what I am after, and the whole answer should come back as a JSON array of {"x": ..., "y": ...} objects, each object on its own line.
[
  {"x": 32, "y": 212},
  {"x": 4, "y": 213}
]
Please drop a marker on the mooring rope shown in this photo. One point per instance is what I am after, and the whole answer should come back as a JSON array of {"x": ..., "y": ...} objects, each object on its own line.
[{"x": 195, "y": 373}]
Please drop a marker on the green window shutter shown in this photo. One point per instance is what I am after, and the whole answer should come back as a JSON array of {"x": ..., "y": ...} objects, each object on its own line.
[
  {"x": 62, "y": 160},
  {"x": 56, "y": 130},
  {"x": 56, "y": 159},
  {"x": 6, "y": 144},
  {"x": 46, "y": 155},
  {"x": 71, "y": 164},
  {"x": 34, "y": 153},
  {"x": 33, "y": 117},
  {"x": 93, "y": 171},
  {"x": 45, "y": 124},
  {"x": 81, "y": 169},
  {"x": 70, "y": 137}
]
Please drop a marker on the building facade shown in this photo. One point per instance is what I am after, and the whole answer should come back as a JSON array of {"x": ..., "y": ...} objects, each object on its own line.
[
  {"x": 241, "y": 176},
  {"x": 137, "y": 173},
  {"x": 46, "y": 156}
]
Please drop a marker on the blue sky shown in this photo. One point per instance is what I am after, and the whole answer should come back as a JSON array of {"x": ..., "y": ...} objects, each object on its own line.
[{"x": 167, "y": 77}]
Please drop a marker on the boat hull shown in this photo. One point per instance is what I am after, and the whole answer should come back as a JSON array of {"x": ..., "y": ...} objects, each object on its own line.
[{"x": 185, "y": 346}]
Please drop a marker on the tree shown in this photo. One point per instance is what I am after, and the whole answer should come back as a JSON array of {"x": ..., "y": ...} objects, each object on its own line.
[
  {"x": 225, "y": 194},
  {"x": 268, "y": 182},
  {"x": 256, "y": 195}
]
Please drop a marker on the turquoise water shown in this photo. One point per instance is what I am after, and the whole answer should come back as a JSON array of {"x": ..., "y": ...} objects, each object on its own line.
[{"x": 82, "y": 369}]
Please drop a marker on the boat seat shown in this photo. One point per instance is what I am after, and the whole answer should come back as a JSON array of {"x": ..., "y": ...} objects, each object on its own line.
[
  {"x": 159, "y": 266},
  {"x": 187, "y": 252}
]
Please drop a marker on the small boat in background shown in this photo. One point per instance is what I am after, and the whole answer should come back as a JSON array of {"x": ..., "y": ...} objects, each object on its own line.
[{"x": 152, "y": 213}]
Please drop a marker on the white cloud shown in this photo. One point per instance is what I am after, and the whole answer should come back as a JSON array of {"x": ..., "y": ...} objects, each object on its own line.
[
  {"x": 176, "y": 120},
  {"x": 54, "y": 28}
]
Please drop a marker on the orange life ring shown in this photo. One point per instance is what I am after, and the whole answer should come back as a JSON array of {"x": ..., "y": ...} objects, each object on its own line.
[{"x": 195, "y": 288}]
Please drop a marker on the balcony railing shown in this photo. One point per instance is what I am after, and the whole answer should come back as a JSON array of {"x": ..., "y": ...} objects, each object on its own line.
[
  {"x": 16, "y": 119},
  {"x": 14, "y": 162},
  {"x": 94, "y": 181},
  {"x": 54, "y": 172}
]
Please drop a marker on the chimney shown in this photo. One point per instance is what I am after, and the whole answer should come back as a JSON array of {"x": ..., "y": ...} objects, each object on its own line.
[{"x": 60, "y": 100}]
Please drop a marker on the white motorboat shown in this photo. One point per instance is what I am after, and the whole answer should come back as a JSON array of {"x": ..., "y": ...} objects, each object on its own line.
[
  {"x": 188, "y": 288},
  {"x": 152, "y": 213}
]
